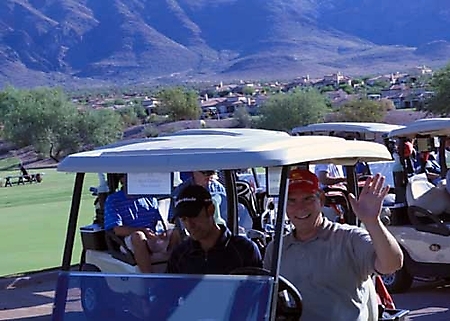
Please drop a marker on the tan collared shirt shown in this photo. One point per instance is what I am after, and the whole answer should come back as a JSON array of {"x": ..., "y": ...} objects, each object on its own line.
[{"x": 331, "y": 271}]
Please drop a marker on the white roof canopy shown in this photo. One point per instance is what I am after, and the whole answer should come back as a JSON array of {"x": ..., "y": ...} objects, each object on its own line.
[
  {"x": 356, "y": 127},
  {"x": 229, "y": 132},
  {"x": 427, "y": 126},
  {"x": 203, "y": 152}
]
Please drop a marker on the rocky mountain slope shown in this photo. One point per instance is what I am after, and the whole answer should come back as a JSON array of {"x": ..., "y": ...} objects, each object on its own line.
[{"x": 94, "y": 42}]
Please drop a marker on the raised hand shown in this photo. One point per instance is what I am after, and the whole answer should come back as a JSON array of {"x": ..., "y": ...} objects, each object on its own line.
[{"x": 368, "y": 206}]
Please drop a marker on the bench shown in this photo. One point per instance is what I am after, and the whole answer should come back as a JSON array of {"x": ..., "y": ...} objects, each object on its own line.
[{"x": 22, "y": 179}]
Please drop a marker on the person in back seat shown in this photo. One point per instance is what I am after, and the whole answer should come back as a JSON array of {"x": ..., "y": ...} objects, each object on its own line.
[
  {"x": 209, "y": 180},
  {"x": 429, "y": 166},
  {"x": 134, "y": 217},
  {"x": 330, "y": 175},
  {"x": 211, "y": 248}
]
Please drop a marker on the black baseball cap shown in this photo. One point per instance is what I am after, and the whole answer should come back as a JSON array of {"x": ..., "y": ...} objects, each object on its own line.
[{"x": 191, "y": 200}]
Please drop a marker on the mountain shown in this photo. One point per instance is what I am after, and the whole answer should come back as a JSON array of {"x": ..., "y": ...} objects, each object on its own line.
[{"x": 98, "y": 42}]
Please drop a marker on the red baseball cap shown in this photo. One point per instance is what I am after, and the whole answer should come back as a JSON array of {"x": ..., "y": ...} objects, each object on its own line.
[{"x": 303, "y": 180}]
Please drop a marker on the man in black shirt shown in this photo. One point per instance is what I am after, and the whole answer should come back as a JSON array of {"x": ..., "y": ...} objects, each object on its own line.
[{"x": 211, "y": 248}]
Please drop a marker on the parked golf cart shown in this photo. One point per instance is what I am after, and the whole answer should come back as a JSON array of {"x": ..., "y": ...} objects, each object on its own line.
[
  {"x": 120, "y": 292},
  {"x": 364, "y": 131},
  {"x": 421, "y": 215}
]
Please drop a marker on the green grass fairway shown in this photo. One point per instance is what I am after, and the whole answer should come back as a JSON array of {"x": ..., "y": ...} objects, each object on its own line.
[
  {"x": 8, "y": 162},
  {"x": 33, "y": 221}
]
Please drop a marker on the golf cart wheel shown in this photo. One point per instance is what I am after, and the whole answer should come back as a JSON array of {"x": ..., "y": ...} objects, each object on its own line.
[
  {"x": 398, "y": 282},
  {"x": 93, "y": 298}
]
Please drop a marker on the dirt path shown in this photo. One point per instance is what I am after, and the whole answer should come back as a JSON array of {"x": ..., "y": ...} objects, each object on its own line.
[{"x": 27, "y": 298}]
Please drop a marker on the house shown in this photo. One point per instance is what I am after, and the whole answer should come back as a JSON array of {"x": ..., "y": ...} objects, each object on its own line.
[
  {"x": 336, "y": 79},
  {"x": 211, "y": 107},
  {"x": 403, "y": 97},
  {"x": 150, "y": 105},
  {"x": 339, "y": 97},
  {"x": 393, "y": 90},
  {"x": 421, "y": 71},
  {"x": 389, "y": 78},
  {"x": 374, "y": 96}
]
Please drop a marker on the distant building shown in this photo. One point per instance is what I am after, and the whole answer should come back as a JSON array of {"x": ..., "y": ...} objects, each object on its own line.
[
  {"x": 150, "y": 105},
  {"x": 374, "y": 96},
  {"x": 421, "y": 71}
]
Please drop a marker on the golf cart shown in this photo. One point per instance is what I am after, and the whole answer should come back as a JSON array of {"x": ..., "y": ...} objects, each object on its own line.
[
  {"x": 364, "y": 131},
  {"x": 120, "y": 292},
  {"x": 421, "y": 217}
]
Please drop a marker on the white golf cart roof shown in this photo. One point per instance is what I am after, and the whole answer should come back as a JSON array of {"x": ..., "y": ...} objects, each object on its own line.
[
  {"x": 202, "y": 131},
  {"x": 202, "y": 152},
  {"x": 229, "y": 132},
  {"x": 356, "y": 127},
  {"x": 427, "y": 126}
]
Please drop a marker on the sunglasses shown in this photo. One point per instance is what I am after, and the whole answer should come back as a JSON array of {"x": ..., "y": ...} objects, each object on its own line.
[{"x": 208, "y": 173}]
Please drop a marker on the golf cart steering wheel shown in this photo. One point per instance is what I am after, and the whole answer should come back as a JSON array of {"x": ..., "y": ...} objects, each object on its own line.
[{"x": 288, "y": 312}]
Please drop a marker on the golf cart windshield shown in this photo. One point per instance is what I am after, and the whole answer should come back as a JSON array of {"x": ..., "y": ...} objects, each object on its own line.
[
  {"x": 385, "y": 168},
  {"x": 167, "y": 297}
]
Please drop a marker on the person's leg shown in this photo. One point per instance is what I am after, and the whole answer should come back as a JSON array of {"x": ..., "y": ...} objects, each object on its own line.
[{"x": 141, "y": 252}]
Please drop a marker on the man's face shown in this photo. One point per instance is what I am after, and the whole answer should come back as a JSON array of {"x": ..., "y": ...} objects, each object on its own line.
[
  {"x": 200, "y": 226},
  {"x": 303, "y": 209},
  {"x": 447, "y": 143},
  {"x": 203, "y": 178}
]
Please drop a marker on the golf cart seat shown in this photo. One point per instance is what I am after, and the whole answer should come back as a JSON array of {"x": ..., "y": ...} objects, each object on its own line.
[
  {"x": 337, "y": 204},
  {"x": 247, "y": 198},
  {"x": 428, "y": 206},
  {"x": 250, "y": 219}
]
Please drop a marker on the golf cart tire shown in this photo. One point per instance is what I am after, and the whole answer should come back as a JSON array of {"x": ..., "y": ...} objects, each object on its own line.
[
  {"x": 398, "y": 282},
  {"x": 93, "y": 298}
]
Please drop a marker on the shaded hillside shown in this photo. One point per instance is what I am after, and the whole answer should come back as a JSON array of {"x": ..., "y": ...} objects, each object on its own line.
[
  {"x": 386, "y": 22},
  {"x": 87, "y": 42}
]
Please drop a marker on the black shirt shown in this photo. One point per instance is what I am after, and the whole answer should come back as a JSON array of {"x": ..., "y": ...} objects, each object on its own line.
[{"x": 229, "y": 253}]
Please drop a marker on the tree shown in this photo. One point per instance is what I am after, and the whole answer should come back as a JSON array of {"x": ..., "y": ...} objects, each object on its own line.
[
  {"x": 248, "y": 90},
  {"x": 45, "y": 118},
  {"x": 132, "y": 115},
  {"x": 99, "y": 127},
  {"x": 362, "y": 110},
  {"x": 242, "y": 117},
  {"x": 179, "y": 104},
  {"x": 8, "y": 99},
  {"x": 439, "y": 104},
  {"x": 327, "y": 88},
  {"x": 297, "y": 108},
  {"x": 38, "y": 117},
  {"x": 347, "y": 88}
]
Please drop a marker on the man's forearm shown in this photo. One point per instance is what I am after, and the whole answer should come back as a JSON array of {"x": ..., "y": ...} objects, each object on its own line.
[{"x": 389, "y": 256}]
